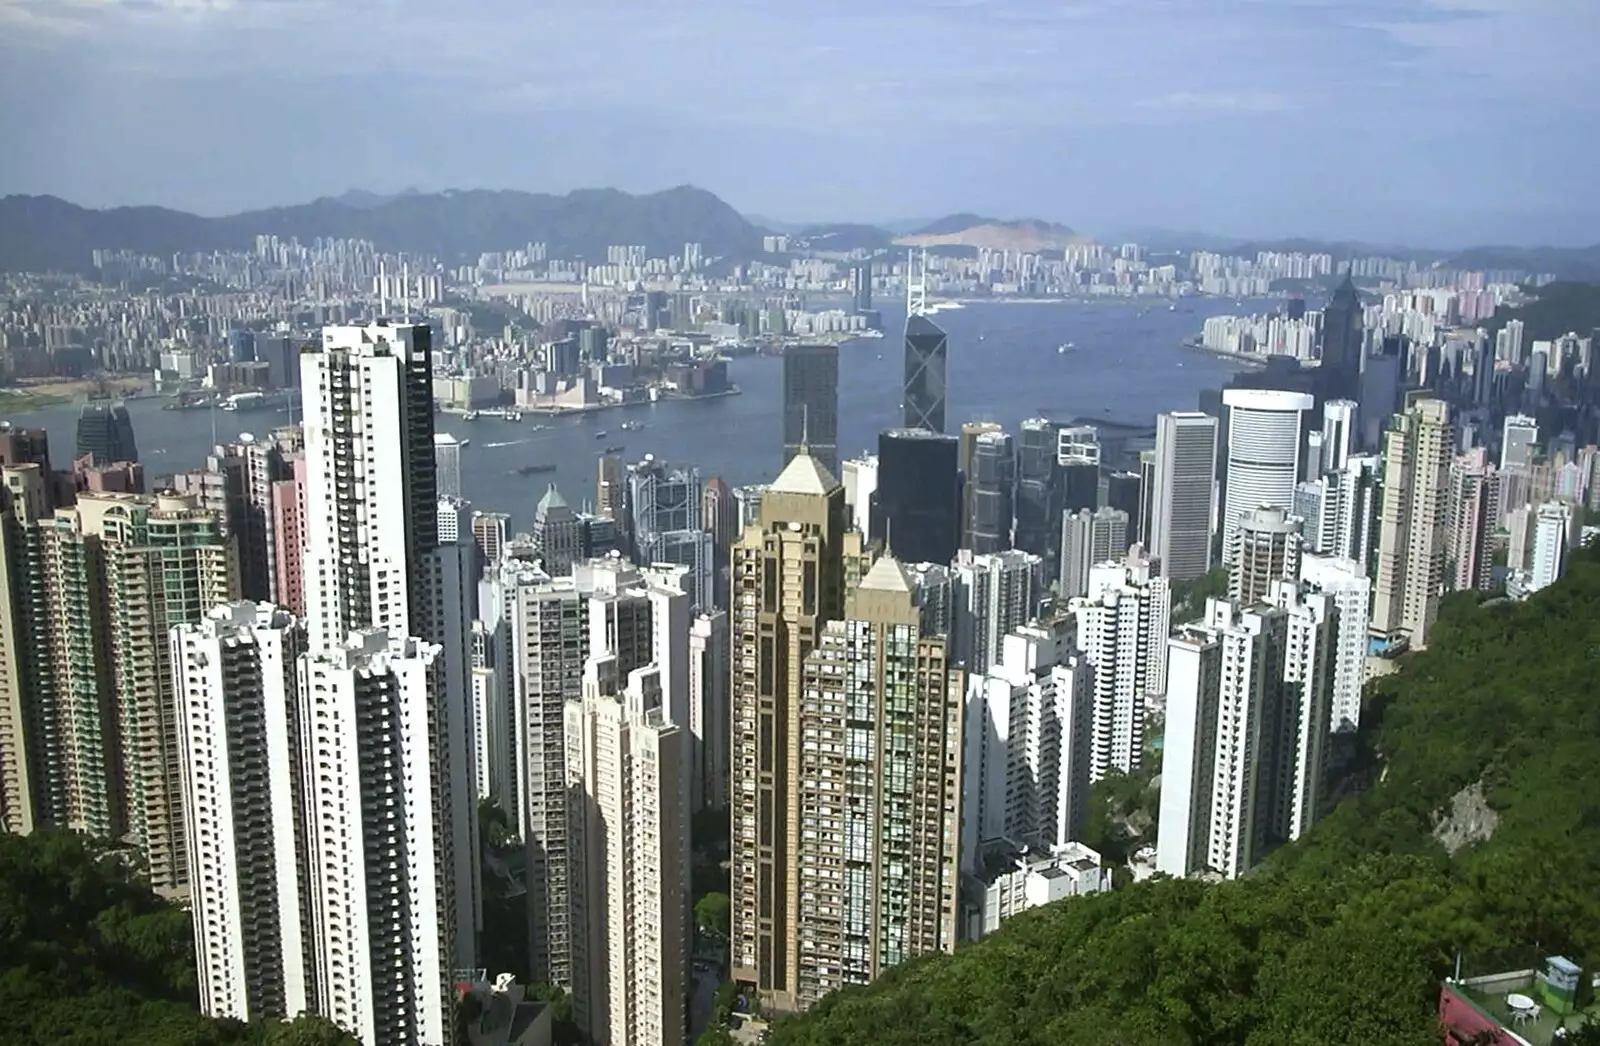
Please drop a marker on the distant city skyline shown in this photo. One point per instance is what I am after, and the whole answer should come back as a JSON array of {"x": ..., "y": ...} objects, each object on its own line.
[{"x": 1434, "y": 122}]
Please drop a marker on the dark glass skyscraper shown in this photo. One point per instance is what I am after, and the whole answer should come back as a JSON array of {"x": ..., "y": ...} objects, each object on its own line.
[
  {"x": 105, "y": 433},
  {"x": 926, "y": 349},
  {"x": 990, "y": 493},
  {"x": 1038, "y": 509},
  {"x": 1341, "y": 343},
  {"x": 811, "y": 403},
  {"x": 917, "y": 506},
  {"x": 861, "y": 285}
]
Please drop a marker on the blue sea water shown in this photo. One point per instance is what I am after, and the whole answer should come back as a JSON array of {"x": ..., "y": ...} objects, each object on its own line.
[{"x": 1126, "y": 365}]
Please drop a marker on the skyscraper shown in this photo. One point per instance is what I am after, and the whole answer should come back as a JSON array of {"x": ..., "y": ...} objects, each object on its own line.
[
  {"x": 1122, "y": 630},
  {"x": 629, "y": 838},
  {"x": 1411, "y": 540},
  {"x": 790, "y": 574},
  {"x": 447, "y": 463},
  {"x": 1472, "y": 520},
  {"x": 377, "y": 835},
  {"x": 878, "y": 879},
  {"x": 927, "y": 347},
  {"x": 1247, "y": 716},
  {"x": 1029, "y": 722},
  {"x": 373, "y": 562},
  {"x": 1264, "y": 449},
  {"x": 989, "y": 494},
  {"x": 244, "y": 796},
  {"x": 1038, "y": 503},
  {"x": 1267, "y": 549},
  {"x": 1088, "y": 538},
  {"x": 1342, "y": 342},
  {"x": 238, "y": 482},
  {"x": 105, "y": 433},
  {"x": 917, "y": 505},
  {"x": 665, "y": 522},
  {"x": 371, "y": 495},
  {"x": 968, "y": 446},
  {"x": 988, "y": 597},
  {"x": 610, "y": 488},
  {"x": 708, "y": 710},
  {"x": 1345, "y": 581},
  {"x": 1182, "y": 494},
  {"x": 558, "y": 535},
  {"x": 811, "y": 402},
  {"x": 1519, "y": 442}
]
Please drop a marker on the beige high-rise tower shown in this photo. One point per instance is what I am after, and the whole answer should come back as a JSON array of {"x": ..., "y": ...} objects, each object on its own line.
[
  {"x": 790, "y": 573},
  {"x": 628, "y": 838},
  {"x": 1412, "y": 535},
  {"x": 880, "y": 790}
]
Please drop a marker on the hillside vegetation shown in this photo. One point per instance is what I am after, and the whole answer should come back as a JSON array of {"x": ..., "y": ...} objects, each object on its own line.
[
  {"x": 1560, "y": 308},
  {"x": 88, "y": 957},
  {"x": 1343, "y": 937}
]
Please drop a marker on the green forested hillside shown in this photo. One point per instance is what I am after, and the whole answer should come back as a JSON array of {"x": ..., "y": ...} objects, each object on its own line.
[
  {"x": 1343, "y": 937},
  {"x": 88, "y": 957}
]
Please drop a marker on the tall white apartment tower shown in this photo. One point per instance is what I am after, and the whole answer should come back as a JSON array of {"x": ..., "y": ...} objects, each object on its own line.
[
  {"x": 1122, "y": 630},
  {"x": 1264, "y": 449},
  {"x": 1183, "y": 494},
  {"x": 370, "y": 483},
  {"x": 1347, "y": 584},
  {"x": 381, "y": 915},
  {"x": 373, "y": 560},
  {"x": 243, "y": 793},
  {"x": 629, "y": 839},
  {"x": 1027, "y": 734},
  {"x": 1247, "y": 720}
]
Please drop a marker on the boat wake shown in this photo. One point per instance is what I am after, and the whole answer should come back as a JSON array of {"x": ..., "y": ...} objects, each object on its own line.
[{"x": 507, "y": 443}]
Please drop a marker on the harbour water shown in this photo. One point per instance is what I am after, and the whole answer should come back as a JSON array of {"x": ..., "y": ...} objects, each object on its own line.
[{"x": 1125, "y": 364}]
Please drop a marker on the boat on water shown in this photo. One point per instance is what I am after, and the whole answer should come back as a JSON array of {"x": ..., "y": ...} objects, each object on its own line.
[
  {"x": 533, "y": 470},
  {"x": 1063, "y": 349},
  {"x": 602, "y": 434},
  {"x": 631, "y": 426},
  {"x": 618, "y": 449}
]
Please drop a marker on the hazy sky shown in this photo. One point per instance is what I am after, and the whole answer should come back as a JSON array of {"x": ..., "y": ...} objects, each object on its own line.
[{"x": 1425, "y": 121}]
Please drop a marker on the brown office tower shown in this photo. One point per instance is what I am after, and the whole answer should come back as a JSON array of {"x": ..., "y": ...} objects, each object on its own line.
[{"x": 790, "y": 573}]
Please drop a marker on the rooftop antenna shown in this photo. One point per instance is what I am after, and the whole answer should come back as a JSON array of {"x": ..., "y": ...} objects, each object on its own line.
[
  {"x": 383, "y": 291},
  {"x": 916, "y": 283},
  {"x": 805, "y": 429}
]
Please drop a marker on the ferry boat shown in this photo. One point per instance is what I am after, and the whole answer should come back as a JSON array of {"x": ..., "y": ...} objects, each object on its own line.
[
  {"x": 533, "y": 470},
  {"x": 631, "y": 426},
  {"x": 618, "y": 449}
]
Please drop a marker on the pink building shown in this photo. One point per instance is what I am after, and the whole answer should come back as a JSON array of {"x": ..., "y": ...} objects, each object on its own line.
[{"x": 289, "y": 536}]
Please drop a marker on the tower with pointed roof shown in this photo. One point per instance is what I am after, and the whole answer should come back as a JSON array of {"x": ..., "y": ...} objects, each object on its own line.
[
  {"x": 880, "y": 786},
  {"x": 789, "y": 575},
  {"x": 557, "y": 534}
]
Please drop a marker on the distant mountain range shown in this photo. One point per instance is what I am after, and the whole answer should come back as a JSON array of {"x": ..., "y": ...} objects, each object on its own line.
[
  {"x": 46, "y": 233},
  {"x": 43, "y": 233}
]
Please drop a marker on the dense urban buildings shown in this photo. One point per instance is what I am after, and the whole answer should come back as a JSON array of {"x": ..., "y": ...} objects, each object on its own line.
[{"x": 282, "y": 681}]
